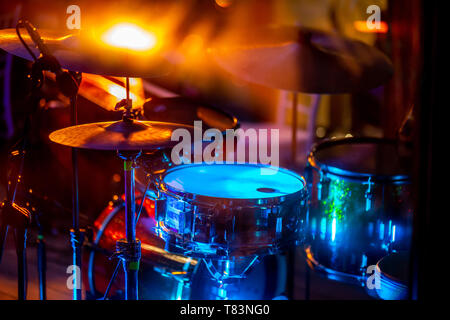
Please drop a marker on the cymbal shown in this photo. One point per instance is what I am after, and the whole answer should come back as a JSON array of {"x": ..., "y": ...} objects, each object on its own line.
[
  {"x": 82, "y": 52},
  {"x": 302, "y": 60},
  {"x": 119, "y": 135}
]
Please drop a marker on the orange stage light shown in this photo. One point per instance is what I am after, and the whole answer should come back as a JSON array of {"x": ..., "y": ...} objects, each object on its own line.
[
  {"x": 224, "y": 3},
  {"x": 129, "y": 36},
  {"x": 361, "y": 26},
  {"x": 119, "y": 92},
  {"x": 107, "y": 93}
]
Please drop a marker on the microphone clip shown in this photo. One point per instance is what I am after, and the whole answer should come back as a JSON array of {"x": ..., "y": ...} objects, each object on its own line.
[{"x": 67, "y": 83}]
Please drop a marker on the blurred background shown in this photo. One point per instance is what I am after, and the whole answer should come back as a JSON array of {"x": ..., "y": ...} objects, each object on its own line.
[{"x": 191, "y": 27}]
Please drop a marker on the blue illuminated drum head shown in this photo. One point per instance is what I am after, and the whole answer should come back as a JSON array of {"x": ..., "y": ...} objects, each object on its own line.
[{"x": 234, "y": 181}]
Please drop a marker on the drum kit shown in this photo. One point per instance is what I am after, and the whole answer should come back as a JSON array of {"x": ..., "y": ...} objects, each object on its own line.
[{"x": 350, "y": 211}]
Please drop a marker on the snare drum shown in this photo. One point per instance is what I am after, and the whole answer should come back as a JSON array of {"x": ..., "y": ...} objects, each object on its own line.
[
  {"x": 222, "y": 210},
  {"x": 360, "y": 207}
]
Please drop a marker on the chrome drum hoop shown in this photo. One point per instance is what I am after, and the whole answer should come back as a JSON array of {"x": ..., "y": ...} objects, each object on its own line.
[
  {"x": 223, "y": 203},
  {"x": 314, "y": 164},
  {"x": 239, "y": 226}
]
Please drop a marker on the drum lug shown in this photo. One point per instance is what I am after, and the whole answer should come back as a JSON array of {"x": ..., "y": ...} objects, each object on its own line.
[
  {"x": 369, "y": 194},
  {"x": 322, "y": 186},
  {"x": 363, "y": 269},
  {"x": 319, "y": 188},
  {"x": 309, "y": 176},
  {"x": 310, "y": 180},
  {"x": 160, "y": 205},
  {"x": 158, "y": 198},
  {"x": 171, "y": 244},
  {"x": 160, "y": 209}
]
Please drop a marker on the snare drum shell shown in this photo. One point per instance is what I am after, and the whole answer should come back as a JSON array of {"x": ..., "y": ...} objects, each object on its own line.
[{"x": 212, "y": 227}]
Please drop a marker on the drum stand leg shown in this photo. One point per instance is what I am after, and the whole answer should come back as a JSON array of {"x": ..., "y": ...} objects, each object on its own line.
[
  {"x": 290, "y": 287},
  {"x": 18, "y": 218},
  {"x": 307, "y": 280},
  {"x": 129, "y": 249},
  {"x": 42, "y": 262},
  {"x": 20, "y": 238},
  {"x": 76, "y": 234}
]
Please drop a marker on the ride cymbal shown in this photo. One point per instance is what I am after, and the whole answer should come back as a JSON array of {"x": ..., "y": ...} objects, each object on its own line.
[{"x": 303, "y": 60}]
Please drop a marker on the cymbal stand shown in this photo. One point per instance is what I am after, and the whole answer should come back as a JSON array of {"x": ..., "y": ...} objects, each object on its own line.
[
  {"x": 129, "y": 249},
  {"x": 77, "y": 234}
]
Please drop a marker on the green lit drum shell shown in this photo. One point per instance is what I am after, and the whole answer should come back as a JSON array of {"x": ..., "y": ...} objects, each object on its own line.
[{"x": 343, "y": 238}]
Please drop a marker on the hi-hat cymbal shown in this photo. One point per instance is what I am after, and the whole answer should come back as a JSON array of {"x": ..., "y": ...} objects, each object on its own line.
[
  {"x": 80, "y": 52},
  {"x": 303, "y": 60},
  {"x": 119, "y": 135}
]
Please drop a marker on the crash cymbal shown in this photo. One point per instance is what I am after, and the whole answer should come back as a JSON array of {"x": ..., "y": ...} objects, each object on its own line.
[
  {"x": 302, "y": 60},
  {"x": 119, "y": 135},
  {"x": 83, "y": 52}
]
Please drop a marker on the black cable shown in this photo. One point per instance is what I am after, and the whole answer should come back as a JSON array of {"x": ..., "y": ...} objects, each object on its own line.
[
  {"x": 111, "y": 281},
  {"x": 19, "y": 24},
  {"x": 143, "y": 199}
]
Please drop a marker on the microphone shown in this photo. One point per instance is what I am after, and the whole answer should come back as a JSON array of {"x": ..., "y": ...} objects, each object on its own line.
[
  {"x": 36, "y": 37},
  {"x": 50, "y": 61},
  {"x": 66, "y": 83}
]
